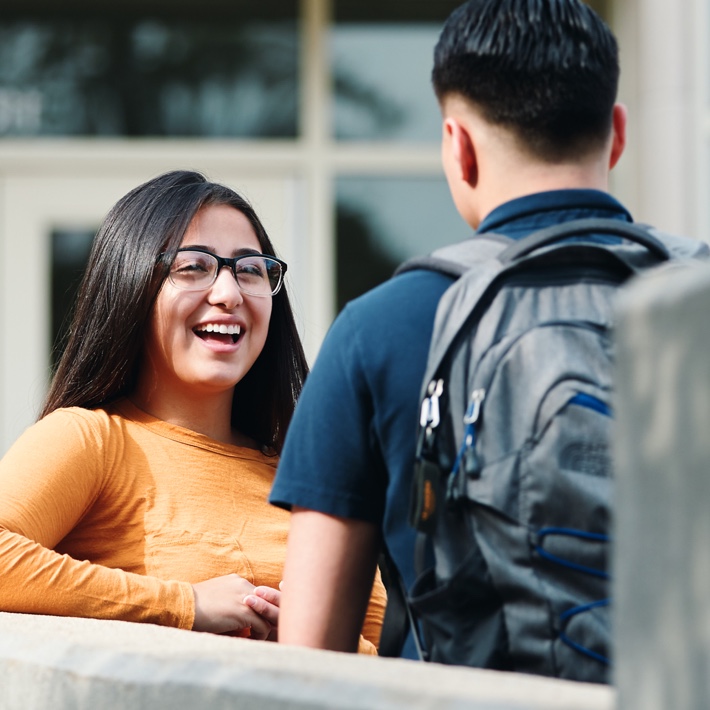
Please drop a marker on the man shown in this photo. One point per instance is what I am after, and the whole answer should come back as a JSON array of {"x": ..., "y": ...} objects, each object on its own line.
[{"x": 527, "y": 90}]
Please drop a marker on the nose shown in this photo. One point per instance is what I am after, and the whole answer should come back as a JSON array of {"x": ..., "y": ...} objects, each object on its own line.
[{"x": 225, "y": 291}]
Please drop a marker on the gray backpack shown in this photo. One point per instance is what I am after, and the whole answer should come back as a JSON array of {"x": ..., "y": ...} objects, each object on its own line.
[{"x": 513, "y": 484}]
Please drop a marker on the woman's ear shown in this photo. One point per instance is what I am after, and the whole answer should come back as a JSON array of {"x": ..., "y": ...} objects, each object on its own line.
[{"x": 618, "y": 134}]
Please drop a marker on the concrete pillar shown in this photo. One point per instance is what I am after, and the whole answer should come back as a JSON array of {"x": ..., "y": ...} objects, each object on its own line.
[{"x": 662, "y": 532}]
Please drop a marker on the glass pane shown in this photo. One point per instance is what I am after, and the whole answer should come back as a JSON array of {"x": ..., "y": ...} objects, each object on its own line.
[
  {"x": 70, "y": 252},
  {"x": 222, "y": 69},
  {"x": 382, "y": 59},
  {"x": 381, "y": 221},
  {"x": 382, "y": 55}
]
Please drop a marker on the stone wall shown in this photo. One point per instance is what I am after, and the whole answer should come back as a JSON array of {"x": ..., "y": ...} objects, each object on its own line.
[{"x": 83, "y": 664}]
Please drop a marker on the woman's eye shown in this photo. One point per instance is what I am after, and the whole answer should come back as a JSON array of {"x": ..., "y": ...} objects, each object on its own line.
[
  {"x": 250, "y": 269},
  {"x": 186, "y": 267}
]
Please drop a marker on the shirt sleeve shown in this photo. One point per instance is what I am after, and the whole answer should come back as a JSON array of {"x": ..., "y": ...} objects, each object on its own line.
[
  {"x": 372, "y": 626},
  {"x": 331, "y": 461},
  {"x": 49, "y": 479}
]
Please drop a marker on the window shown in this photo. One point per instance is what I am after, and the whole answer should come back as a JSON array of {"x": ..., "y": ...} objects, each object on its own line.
[
  {"x": 382, "y": 98},
  {"x": 70, "y": 252},
  {"x": 217, "y": 69},
  {"x": 381, "y": 221}
]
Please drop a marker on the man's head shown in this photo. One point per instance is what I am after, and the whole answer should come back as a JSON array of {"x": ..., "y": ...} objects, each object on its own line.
[{"x": 546, "y": 70}]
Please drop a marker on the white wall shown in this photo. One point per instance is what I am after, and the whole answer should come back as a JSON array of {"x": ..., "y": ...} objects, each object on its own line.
[{"x": 663, "y": 177}]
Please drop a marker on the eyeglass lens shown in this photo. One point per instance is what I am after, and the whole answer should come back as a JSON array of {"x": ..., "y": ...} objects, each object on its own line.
[{"x": 256, "y": 275}]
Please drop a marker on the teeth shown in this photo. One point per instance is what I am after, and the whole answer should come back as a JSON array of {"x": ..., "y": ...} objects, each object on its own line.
[{"x": 224, "y": 329}]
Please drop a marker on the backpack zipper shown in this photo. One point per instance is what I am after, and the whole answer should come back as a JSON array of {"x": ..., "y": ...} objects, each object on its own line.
[{"x": 467, "y": 460}]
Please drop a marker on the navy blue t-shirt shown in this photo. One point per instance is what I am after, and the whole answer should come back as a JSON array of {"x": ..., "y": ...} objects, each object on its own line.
[{"x": 350, "y": 448}]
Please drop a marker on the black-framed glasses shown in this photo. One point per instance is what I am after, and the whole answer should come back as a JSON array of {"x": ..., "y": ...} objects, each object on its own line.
[{"x": 195, "y": 269}]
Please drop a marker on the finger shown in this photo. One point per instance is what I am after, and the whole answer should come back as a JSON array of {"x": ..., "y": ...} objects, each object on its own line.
[
  {"x": 265, "y": 609},
  {"x": 260, "y": 625},
  {"x": 269, "y": 593},
  {"x": 260, "y": 629}
]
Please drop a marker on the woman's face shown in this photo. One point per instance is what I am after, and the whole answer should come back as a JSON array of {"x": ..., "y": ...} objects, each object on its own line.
[{"x": 183, "y": 351}]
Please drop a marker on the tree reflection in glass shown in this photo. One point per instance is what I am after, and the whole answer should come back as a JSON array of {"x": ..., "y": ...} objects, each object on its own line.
[
  {"x": 381, "y": 221},
  {"x": 149, "y": 70},
  {"x": 69, "y": 255},
  {"x": 382, "y": 56}
]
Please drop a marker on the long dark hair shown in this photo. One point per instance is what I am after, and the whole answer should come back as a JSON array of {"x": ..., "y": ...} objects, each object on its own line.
[{"x": 123, "y": 277}]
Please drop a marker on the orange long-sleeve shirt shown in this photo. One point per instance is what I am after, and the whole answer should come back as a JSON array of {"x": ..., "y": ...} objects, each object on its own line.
[{"x": 113, "y": 514}]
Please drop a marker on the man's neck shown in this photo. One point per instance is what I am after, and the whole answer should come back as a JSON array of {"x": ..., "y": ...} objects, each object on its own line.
[{"x": 522, "y": 179}]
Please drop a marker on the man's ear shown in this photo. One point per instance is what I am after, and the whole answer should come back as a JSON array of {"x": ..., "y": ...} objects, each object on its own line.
[
  {"x": 618, "y": 134},
  {"x": 462, "y": 149}
]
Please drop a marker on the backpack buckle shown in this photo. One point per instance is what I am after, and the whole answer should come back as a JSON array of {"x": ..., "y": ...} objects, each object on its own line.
[{"x": 429, "y": 416}]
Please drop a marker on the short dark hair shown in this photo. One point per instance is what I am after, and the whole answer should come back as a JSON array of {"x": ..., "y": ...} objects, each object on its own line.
[
  {"x": 546, "y": 69},
  {"x": 123, "y": 277}
]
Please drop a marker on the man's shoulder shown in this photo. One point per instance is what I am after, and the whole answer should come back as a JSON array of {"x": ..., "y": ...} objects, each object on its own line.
[
  {"x": 384, "y": 324},
  {"x": 402, "y": 293}
]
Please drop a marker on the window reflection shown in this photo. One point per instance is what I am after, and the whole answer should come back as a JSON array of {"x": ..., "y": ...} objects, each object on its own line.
[
  {"x": 153, "y": 71},
  {"x": 382, "y": 57},
  {"x": 382, "y": 221},
  {"x": 70, "y": 253},
  {"x": 382, "y": 54}
]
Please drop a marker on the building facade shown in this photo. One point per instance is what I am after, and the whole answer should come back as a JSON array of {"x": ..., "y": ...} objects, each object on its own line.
[{"x": 319, "y": 111}]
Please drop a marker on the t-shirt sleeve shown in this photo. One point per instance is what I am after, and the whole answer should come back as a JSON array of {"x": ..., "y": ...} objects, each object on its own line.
[
  {"x": 49, "y": 479},
  {"x": 372, "y": 626},
  {"x": 331, "y": 461}
]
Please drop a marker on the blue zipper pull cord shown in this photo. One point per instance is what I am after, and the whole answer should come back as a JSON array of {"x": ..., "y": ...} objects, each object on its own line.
[
  {"x": 587, "y": 400},
  {"x": 581, "y": 399},
  {"x": 571, "y": 532},
  {"x": 466, "y": 456},
  {"x": 565, "y": 618},
  {"x": 583, "y": 569}
]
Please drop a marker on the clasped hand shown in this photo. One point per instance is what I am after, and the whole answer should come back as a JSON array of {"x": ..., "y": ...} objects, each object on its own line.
[{"x": 232, "y": 605}]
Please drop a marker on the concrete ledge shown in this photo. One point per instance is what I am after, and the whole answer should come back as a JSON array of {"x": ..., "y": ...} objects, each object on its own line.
[{"x": 84, "y": 664}]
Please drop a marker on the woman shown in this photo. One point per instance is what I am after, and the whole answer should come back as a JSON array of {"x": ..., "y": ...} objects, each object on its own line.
[{"x": 141, "y": 492}]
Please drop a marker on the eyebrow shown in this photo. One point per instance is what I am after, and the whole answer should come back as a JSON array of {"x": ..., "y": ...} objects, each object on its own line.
[{"x": 244, "y": 251}]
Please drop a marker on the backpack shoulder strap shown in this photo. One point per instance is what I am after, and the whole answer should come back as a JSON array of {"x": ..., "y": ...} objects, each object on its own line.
[
  {"x": 477, "y": 262},
  {"x": 659, "y": 246},
  {"x": 680, "y": 247},
  {"x": 399, "y": 619},
  {"x": 648, "y": 247},
  {"x": 579, "y": 227},
  {"x": 456, "y": 259}
]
